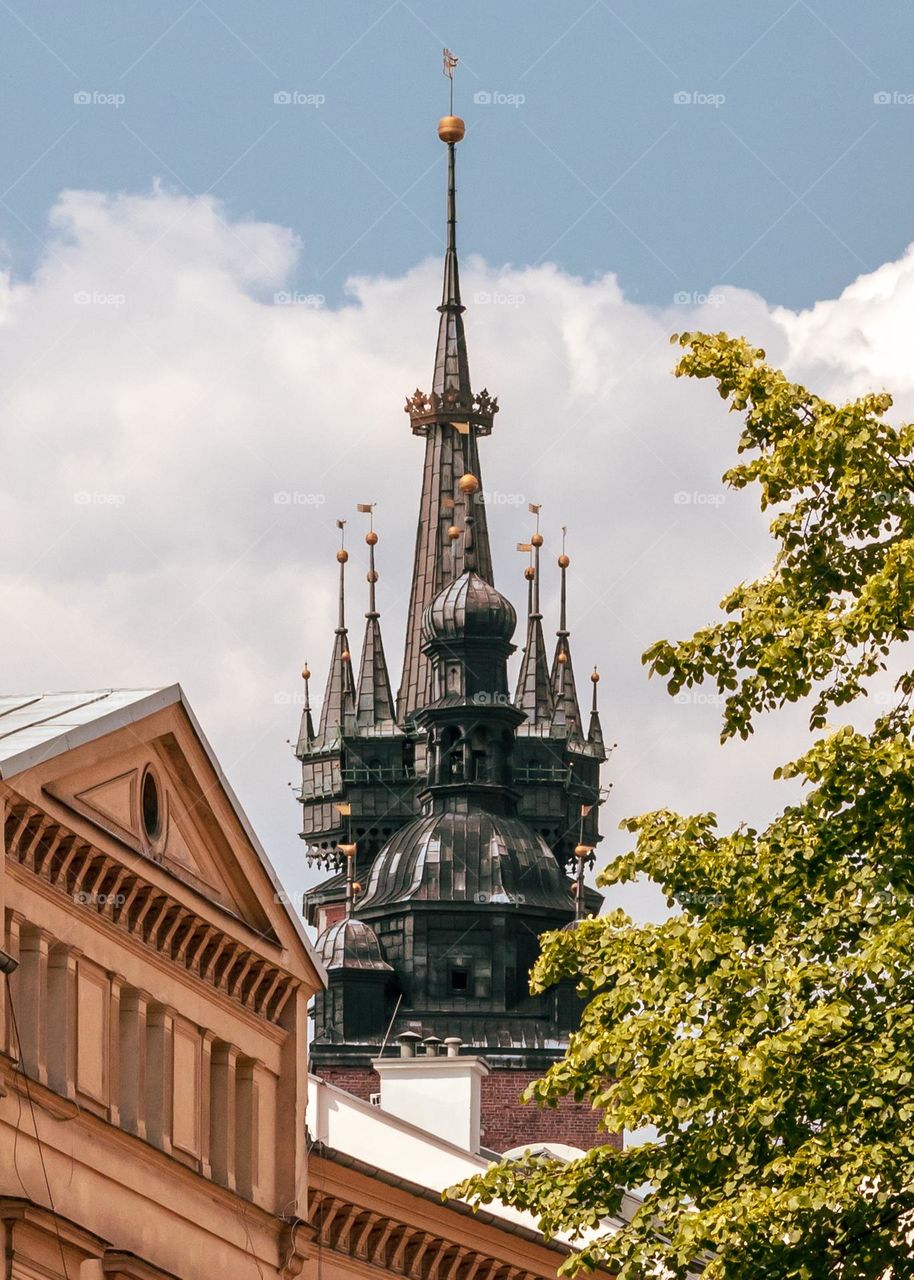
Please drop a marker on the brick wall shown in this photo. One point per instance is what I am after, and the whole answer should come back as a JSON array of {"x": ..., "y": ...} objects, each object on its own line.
[{"x": 506, "y": 1121}]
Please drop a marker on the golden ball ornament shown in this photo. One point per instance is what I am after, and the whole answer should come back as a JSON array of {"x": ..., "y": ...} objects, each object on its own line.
[
  {"x": 451, "y": 129},
  {"x": 468, "y": 484}
]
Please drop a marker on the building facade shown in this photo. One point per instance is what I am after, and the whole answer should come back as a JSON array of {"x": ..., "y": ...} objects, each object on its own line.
[
  {"x": 456, "y": 819},
  {"x": 153, "y": 1031}
]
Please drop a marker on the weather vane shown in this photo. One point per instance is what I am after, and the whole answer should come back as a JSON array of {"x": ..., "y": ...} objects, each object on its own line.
[{"x": 449, "y": 62}]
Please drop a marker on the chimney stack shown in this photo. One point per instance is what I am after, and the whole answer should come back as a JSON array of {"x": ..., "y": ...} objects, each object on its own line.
[{"x": 438, "y": 1092}]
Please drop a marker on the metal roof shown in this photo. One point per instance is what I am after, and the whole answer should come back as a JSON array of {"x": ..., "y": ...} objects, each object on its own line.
[
  {"x": 476, "y": 857},
  {"x": 37, "y": 726}
]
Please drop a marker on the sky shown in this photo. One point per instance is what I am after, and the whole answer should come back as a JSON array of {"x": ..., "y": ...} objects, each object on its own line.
[{"x": 220, "y": 238}]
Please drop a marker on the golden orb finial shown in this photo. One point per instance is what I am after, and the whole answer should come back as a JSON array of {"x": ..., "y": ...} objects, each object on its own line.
[
  {"x": 564, "y": 561},
  {"x": 345, "y": 655},
  {"x": 596, "y": 676},
  {"x": 561, "y": 657},
  {"x": 342, "y": 555},
  {"x": 454, "y": 532},
  {"x": 306, "y": 672},
  {"x": 372, "y": 575},
  {"x": 451, "y": 129},
  {"x": 529, "y": 573},
  {"x": 468, "y": 483},
  {"x": 537, "y": 540},
  {"x": 371, "y": 538}
]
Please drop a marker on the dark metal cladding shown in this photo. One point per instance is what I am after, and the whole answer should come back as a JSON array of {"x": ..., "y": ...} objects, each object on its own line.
[
  {"x": 351, "y": 944},
  {"x": 451, "y": 419},
  {"x": 484, "y": 859},
  {"x": 534, "y": 690},
  {"x": 470, "y": 606},
  {"x": 466, "y": 803}
]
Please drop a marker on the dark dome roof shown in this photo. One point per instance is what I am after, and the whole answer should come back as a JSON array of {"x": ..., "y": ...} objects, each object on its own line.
[
  {"x": 350, "y": 944},
  {"x": 480, "y": 857},
  {"x": 469, "y": 606}
]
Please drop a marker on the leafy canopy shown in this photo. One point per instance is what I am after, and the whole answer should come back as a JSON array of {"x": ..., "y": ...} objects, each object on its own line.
[{"x": 766, "y": 1029}]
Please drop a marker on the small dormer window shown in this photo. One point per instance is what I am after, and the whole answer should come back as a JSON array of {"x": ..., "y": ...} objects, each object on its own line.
[{"x": 151, "y": 806}]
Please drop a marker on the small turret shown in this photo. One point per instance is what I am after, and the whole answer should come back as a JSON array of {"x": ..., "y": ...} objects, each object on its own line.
[
  {"x": 566, "y": 719},
  {"x": 374, "y": 701},
  {"x": 338, "y": 708},
  {"x": 534, "y": 692}
]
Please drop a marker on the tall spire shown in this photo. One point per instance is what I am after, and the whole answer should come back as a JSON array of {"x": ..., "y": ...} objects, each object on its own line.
[
  {"x": 451, "y": 418},
  {"x": 339, "y": 698},
  {"x": 306, "y": 730},
  {"x": 452, "y": 368},
  {"x": 534, "y": 693},
  {"x": 567, "y": 716},
  {"x": 374, "y": 702}
]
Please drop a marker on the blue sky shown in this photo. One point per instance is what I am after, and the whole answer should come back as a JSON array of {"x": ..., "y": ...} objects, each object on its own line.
[
  {"x": 792, "y": 185},
  {"x": 196, "y": 440}
]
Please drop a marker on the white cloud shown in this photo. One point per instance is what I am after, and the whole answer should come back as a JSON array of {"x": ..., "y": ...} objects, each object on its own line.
[{"x": 155, "y": 400}]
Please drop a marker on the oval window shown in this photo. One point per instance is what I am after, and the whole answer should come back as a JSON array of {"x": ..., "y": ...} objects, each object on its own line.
[{"x": 152, "y": 807}]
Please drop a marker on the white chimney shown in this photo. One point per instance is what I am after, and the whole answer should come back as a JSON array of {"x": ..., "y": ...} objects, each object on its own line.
[{"x": 440, "y": 1094}]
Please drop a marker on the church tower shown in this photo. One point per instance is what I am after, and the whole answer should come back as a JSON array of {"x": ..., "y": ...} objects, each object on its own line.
[{"x": 458, "y": 821}]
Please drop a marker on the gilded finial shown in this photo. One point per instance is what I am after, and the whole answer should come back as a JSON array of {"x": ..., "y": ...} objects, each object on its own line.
[
  {"x": 450, "y": 128},
  {"x": 454, "y": 532},
  {"x": 596, "y": 676},
  {"x": 306, "y": 672},
  {"x": 468, "y": 484}
]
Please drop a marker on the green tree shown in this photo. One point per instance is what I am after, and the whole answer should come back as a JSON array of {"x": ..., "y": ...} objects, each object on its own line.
[{"x": 767, "y": 1028}]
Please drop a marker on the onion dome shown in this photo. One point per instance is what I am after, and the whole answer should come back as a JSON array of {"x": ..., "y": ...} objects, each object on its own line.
[
  {"x": 488, "y": 859},
  {"x": 469, "y": 608},
  {"x": 350, "y": 944}
]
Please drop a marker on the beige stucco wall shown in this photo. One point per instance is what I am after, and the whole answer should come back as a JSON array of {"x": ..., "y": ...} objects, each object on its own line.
[{"x": 169, "y": 1098}]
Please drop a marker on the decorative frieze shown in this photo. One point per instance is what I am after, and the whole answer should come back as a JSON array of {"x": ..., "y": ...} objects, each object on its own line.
[{"x": 121, "y": 895}]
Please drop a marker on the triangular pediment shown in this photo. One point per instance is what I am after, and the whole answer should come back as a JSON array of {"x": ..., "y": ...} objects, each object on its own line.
[{"x": 151, "y": 800}]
